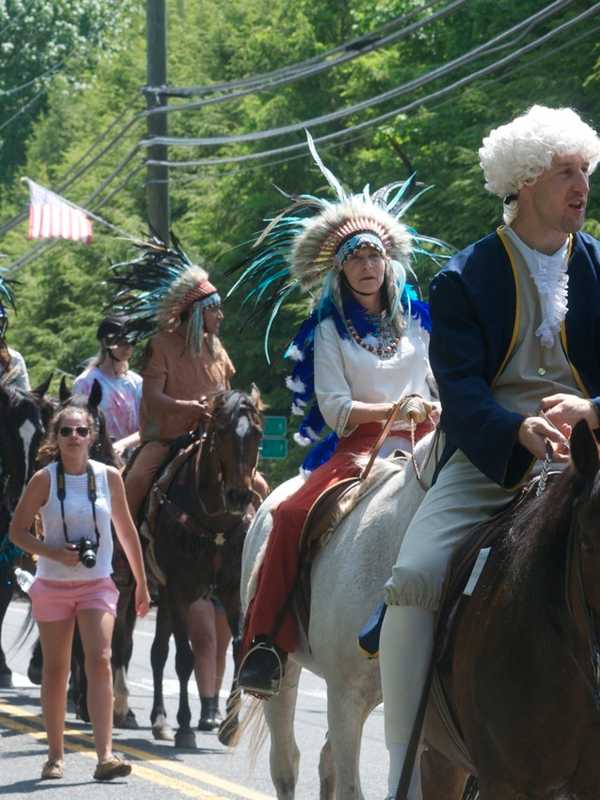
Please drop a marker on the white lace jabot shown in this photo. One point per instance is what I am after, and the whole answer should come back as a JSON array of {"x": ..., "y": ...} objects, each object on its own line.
[{"x": 549, "y": 274}]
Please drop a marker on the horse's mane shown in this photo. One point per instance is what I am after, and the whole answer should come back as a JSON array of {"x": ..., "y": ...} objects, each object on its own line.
[{"x": 536, "y": 544}]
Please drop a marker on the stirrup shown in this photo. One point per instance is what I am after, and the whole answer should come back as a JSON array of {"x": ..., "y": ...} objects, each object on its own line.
[{"x": 261, "y": 694}]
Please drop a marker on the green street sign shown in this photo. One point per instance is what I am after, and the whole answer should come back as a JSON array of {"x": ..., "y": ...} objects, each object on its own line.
[
  {"x": 274, "y": 448},
  {"x": 274, "y": 426}
]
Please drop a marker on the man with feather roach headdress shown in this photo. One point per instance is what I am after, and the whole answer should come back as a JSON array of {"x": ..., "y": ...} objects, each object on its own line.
[{"x": 171, "y": 302}]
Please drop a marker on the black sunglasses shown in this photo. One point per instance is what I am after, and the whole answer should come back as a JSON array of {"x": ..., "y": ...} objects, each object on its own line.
[{"x": 80, "y": 430}]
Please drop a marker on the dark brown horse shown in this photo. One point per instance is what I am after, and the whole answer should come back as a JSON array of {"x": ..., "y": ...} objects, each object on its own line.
[
  {"x": 197, "y": 539},
  {"x": 24, "y": 417},
  {"x": 524, "y": 685}
]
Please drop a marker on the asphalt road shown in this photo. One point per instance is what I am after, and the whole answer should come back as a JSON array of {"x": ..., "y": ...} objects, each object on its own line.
[{"x": 211, "y": 772}]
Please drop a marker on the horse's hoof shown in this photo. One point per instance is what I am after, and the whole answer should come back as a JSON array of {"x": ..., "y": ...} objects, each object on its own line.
[
  {"x": 34, "y": 673},
  {"x": 128, "y": 722},
  {"x": 228, "y": 730},
  {"x": 163, "y": 732},
  {"x": 186, "y": 740},
  {"x": 6, "y": 681}
]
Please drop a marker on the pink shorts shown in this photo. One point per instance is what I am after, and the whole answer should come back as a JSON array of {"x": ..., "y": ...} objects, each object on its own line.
[{"x": 53, "y": 601}]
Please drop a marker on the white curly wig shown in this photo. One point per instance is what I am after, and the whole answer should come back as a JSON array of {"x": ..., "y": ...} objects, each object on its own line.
[{"x": 517, "y": 153}]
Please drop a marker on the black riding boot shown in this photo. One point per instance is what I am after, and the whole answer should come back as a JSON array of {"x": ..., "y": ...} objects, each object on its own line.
[
  {"x": 217, "y": 716},
  {"x": 262, "y": 669},
  {"x": 207, "y": 714}
]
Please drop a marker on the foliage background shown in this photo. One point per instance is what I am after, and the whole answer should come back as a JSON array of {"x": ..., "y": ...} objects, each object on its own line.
[{"x": 83, "y": 62}]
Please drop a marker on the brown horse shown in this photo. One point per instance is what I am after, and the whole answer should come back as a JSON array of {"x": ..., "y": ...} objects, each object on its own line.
[
  {"x": 524, "y": 681},
  {"x": 197, "y": 537}
]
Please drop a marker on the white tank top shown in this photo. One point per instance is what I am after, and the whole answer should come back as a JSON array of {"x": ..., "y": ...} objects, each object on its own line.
[{"x": 80, "y": 523}]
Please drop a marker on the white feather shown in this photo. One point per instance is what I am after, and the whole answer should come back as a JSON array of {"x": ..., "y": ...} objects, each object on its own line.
[{"x": 295, "y": 385}]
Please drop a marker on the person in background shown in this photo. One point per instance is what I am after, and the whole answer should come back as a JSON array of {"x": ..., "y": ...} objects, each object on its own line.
[
  {"x": 12, "y": 364},
  {"x": 121, "y": 387},
  {"x": 77, "y": 499}
]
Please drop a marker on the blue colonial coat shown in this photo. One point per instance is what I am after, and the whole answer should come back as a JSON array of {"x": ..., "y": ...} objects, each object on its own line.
[{"x": 475, "y": 309}]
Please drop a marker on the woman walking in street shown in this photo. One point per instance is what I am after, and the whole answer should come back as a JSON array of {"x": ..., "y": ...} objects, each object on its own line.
[{"x": 77, "y": 498}]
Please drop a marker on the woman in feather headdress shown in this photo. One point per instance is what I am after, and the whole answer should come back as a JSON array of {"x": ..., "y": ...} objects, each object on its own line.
[
  {"x": 12, "y": 364},
  {"x": 363, "y": 347}
]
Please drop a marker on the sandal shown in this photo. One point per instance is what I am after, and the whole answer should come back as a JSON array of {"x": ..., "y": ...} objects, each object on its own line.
[
  {"x": 114, "y": 767},
  {"x": 53, "y": 769}
]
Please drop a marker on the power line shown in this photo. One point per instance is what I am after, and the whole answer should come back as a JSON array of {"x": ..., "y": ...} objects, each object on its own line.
[
  {"x": 317, "y": 68},
  {"x": 408, "y": 107},
  {"x": 4, "y": 228},
  {"x": 23, "y": 109},
  {"x": 49, "y": 73},
  {"x": 521, "y": 28},
  {"x": 359, "y": 43}
]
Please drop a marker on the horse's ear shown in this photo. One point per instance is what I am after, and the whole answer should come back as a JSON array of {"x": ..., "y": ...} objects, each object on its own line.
[
  {"x": 95, "y": 397},
  {"x": 64, "y": 393},
  {"x": 41, "y": 390},
  {"x": 255, "y": 397},
  {"x": 584, "y": 451}
]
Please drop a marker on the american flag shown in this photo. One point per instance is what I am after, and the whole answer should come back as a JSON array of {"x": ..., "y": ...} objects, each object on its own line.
[{"x": 53, "y": 217}]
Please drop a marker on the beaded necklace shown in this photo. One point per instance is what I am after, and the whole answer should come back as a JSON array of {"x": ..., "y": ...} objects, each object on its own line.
[{"x": 382, "y": 341}]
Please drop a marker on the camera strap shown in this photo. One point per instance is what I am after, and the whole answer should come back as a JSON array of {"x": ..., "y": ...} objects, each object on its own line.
[{"x": 61, "y": 491}]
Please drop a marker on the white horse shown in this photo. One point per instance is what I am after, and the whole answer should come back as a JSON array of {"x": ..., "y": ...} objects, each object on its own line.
[{"x": 347, "y": 583}]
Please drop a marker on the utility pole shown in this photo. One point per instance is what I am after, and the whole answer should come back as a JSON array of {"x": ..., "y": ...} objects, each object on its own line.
[{"x": 157, "y": 177}]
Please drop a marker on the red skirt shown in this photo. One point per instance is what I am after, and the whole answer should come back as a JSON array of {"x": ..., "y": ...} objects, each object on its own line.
[{"x": 279, "y": 569}]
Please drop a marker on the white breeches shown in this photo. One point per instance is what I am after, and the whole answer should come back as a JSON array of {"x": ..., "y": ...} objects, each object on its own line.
[{"x": 460, "y": 498}]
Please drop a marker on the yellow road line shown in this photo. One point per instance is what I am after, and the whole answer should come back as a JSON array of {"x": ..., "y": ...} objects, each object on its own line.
[
  {"x": 140, "y": 772},
  {"x": 163, "y": 763}
]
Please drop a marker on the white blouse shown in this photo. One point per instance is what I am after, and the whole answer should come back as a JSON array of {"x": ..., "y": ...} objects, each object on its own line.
[{"x": 345, "y": 372}]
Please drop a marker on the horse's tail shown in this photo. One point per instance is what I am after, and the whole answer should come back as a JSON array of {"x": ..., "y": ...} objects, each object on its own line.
[
  {"x": 471, "y": 791},
  {"x": 252, "y": 721}
]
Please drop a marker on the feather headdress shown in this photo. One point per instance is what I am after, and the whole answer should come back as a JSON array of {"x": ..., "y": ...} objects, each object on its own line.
[
  {"x": 297, "y": 250},
  {"x": 159, "y": 287}
]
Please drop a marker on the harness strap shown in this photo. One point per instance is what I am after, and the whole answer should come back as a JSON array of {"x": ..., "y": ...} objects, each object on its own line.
[
  {"x": 61, "y": 491},
  {"x": 191, "y": 522}
]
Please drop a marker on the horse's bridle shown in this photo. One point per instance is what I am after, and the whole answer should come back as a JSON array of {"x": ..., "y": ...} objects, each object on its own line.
[
  {"x": 591, "y": 622},
  {"x": 210, "y": 438}
]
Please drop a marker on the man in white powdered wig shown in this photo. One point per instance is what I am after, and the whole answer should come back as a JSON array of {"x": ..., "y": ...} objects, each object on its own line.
[{"x": 515, "y": 350}]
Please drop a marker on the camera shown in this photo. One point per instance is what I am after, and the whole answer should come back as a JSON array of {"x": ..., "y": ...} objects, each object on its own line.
[{"x": 87, "y": 552}]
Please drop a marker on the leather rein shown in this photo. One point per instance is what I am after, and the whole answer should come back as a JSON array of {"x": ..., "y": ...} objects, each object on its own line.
[{"x": 201, "y": 526}]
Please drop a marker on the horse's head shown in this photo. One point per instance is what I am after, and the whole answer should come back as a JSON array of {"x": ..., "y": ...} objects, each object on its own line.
[
  {"x": 237, "y": 430},
  {"x": 21, "y": 432}
]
